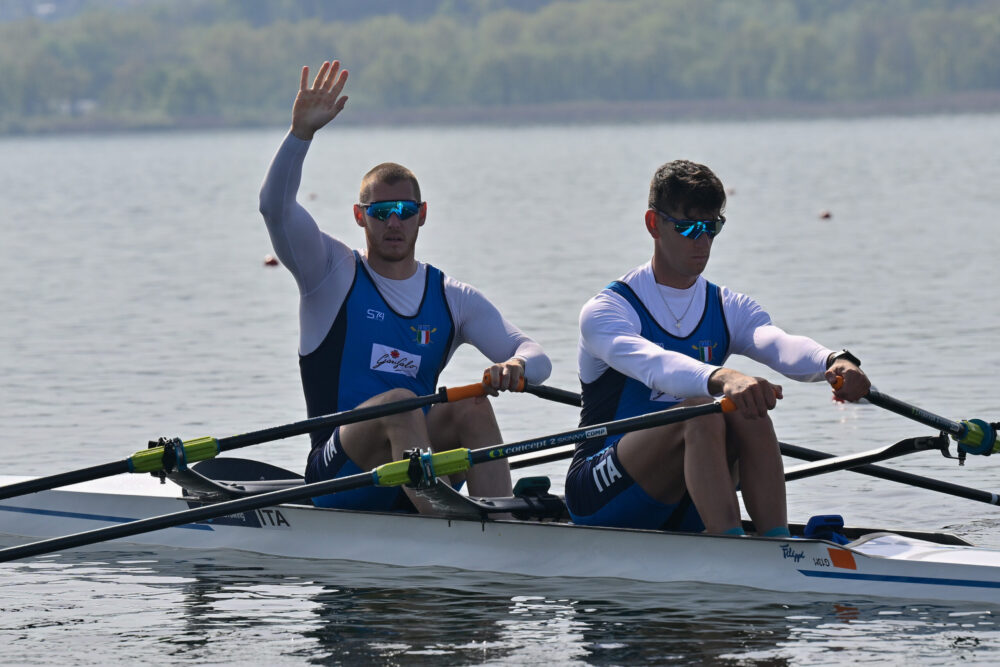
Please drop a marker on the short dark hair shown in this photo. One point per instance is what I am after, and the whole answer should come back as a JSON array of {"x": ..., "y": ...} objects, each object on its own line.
[
  {"x": 684, "y": 185},
  {"x": 389, "y": 173}
]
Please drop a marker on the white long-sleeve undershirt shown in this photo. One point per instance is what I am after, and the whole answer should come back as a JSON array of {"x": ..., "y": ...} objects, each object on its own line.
[
  {"x": 323, "y": 267},
  {"x": 610, "y": 337}
]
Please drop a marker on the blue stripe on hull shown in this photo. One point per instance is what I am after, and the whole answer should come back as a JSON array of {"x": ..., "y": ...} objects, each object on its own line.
[
  {"x": 970, "y": 583},
  {"x": 90, "y": 517}
]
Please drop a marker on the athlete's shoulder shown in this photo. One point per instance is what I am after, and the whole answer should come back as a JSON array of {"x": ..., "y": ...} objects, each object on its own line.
[
  {"x": 740, "y": 307},
  {"x": 637, "y": 276},
  {"x": 454, "y": 286},
  {"x": 732, "y": 297}
]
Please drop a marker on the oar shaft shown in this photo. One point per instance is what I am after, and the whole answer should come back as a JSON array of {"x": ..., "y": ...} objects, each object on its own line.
[
  {"x": 606, "y": 429},
  {"x": 346, "y": 417},
  {"x": 889, "y": 474},
  {"x": 891, "y": 404},
  {"x": 63, "y": 479},
  {"x": 538, "y": 460},
  {"x": 908, "y": 446},
  {"x": 974, "y": 436},
  {"x": 554, "y": 394}
]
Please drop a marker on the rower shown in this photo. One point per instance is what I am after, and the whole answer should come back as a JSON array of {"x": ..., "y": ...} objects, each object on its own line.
[
  {"x": 378, "y": 327},
  {"x": 659, "y": 336}
]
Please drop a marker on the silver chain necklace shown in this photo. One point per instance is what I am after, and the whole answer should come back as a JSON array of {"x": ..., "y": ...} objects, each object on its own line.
[{"x": 677, "y": 320}]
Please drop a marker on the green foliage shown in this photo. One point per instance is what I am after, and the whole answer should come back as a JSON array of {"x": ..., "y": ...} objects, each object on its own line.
[{"x": 237, "y": 61}]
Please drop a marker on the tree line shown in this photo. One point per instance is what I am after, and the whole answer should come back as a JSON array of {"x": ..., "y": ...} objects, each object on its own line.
[{"x": 235, "y": 62}]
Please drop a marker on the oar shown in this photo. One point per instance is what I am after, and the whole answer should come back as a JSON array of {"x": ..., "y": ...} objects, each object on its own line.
[
  {"x": 974, "y": 436},
  {"x": 798, "y": 452},
  {"x": 176, "y": 454},
  {"x": 420, "y": 466},
  {"x": 910, "y": 479},
  {"x": 901, "y": 448},
  {"x": 554, "y": 394}
]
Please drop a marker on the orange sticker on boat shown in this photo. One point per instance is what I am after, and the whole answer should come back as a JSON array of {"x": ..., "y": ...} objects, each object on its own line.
[{"x": 842, "y": 558}]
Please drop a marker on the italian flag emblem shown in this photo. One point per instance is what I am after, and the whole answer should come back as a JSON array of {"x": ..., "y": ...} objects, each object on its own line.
[
  {"x": 423, "y": 333},
  {"x": 705, "y": 350}
]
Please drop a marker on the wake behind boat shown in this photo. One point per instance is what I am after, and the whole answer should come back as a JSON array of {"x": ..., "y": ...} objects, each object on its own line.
[{"x": 874, "y": 563}]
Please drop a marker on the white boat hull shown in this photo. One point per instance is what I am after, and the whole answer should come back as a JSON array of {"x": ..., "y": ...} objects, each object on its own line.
[{"x": 882, "y": 565}]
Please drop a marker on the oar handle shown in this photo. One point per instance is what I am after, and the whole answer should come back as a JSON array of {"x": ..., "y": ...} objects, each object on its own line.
[
  {"x": 543, "y": 391},
  {"x": 467, "y": 391}
]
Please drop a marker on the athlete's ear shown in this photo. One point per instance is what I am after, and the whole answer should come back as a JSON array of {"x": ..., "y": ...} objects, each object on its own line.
[
  {"x": 651, "y": 223},
  {"x": 422, "y": 216},
  {"x": 359, "y": 215}
]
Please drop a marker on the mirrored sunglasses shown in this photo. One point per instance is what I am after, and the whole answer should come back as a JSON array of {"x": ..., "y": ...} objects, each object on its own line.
[
  {"x": 693, "y": 229},
  {"x": 381, "y": 210}
]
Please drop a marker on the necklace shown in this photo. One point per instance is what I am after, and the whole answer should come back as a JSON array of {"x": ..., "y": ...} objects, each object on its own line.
[{"x": 677, "y": 318}]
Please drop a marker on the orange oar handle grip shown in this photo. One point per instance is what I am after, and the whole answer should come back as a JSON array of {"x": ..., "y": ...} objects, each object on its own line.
[
  {"x": 466, "y": 391},
  {"x": 838, "y": 382},
  {"x": 727, "y": 405},
  {"x": 520, "y": 383}
]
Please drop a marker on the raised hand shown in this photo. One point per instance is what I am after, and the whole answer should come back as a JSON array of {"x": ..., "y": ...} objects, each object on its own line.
[{"x": 318, "y": 104}]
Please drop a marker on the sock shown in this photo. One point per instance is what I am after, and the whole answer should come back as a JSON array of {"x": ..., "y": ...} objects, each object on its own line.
[
  {"x": 779, "y": 531},
  {"x": 735, "y": 531}
]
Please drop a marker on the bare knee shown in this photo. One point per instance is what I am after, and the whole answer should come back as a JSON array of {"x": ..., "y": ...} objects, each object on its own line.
[
  {"x": 742, "y": 433},
  {"x": 468, "y": 423},
  {"x": 391, "y": 396},
  {"x": 473, "y": 411},
  {"x": 706, "y": 430}
]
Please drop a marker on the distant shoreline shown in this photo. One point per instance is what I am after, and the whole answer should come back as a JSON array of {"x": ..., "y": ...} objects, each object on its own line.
[{"x": 545, "y": 114}]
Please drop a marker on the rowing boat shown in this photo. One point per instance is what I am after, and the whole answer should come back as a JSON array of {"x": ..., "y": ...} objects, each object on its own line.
[{"x": 873, "y": 564}]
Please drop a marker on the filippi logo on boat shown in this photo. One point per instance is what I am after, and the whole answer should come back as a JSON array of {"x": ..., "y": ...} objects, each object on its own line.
[
  {"x": 392, "y": 360},
  {"x": 788, "y": 552}
]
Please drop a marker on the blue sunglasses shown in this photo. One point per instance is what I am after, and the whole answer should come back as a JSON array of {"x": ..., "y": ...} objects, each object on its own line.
[
  {"x": 693, "y": 229},
  {"x": 381, "y": 210}
]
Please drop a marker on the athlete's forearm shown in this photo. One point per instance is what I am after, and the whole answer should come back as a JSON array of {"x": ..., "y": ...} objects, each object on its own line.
[
  {"x": 796, "y": 357},
  {"x": 297, "y": 240}
]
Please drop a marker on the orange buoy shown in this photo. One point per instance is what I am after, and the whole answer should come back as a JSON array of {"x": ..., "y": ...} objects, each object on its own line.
[
  {"x": 825, "y": 215},
  {"x": 271, "y": 260}
]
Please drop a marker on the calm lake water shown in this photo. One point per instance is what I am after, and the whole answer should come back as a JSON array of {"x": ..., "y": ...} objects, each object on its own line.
[{"x": 136, "y": 305}]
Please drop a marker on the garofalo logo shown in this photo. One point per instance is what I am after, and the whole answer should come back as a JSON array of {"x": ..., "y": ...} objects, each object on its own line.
[{"x": 393, "y": 360}]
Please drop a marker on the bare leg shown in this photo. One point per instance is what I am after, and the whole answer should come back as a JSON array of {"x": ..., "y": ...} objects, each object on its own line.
[
  {"x": 471, "y": 424},
  {"x": 371, "y": 443},
  {"x": 762, "y": 474},
  {"x": 688, "y": 456}
]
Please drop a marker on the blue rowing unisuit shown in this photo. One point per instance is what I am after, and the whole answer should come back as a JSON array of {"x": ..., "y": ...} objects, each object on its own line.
[
  {"x": 371, "y": 349},
  {"x": 615, "y": 396}
]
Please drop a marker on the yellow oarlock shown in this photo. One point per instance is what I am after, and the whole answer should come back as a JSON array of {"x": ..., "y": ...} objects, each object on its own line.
[
  {"x": 151, "y": 460},
  {"x": 442, "y": 463}
]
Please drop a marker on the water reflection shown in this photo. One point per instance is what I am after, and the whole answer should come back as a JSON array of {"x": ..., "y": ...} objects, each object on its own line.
[{"x": 239, "y": 607}]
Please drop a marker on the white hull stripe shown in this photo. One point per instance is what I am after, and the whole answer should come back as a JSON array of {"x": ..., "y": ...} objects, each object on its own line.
[{"x": 91, "y": 517}]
